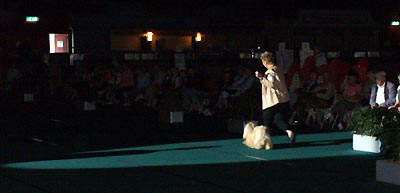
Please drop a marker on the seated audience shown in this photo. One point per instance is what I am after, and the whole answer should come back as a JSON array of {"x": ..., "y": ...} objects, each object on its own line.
[
  {"x": 366, "y": 88},
  {"x": 238, "y": 88},
  {"x": 191, "y": 95},
  {"x": 311, "y": 84},
  {"x": 320, "y": 58},
  {"x": 143, "y": 82},
  {"x": 361, "y": 67},
  {"x": 320, "y": 98},
  {"x": 338, "y": 70},
  {"x": 322, "y": 95},
  {"x": 127, "y": 84},
  {"x": 351, "y": 89},
  {"x": 345, "y": 103},
  {"x": 246, "y": 84}
]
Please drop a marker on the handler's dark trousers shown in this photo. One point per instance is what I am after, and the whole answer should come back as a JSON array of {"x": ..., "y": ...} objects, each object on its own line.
[{"x": 280, "y": 112}]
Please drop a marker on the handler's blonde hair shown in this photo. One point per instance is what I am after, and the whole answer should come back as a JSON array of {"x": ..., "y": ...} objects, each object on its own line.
[{"x": 268, "y": 57}]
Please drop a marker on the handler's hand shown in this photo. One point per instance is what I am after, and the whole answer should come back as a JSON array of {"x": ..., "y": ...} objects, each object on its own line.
[{"x": 259, "y": 75}]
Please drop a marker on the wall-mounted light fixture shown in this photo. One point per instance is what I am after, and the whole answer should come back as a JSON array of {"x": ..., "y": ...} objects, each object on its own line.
[
  {"x": 395, "y": 23},
  {"x": 198, "y": 37},
  {"x": 149, "y": 36}
]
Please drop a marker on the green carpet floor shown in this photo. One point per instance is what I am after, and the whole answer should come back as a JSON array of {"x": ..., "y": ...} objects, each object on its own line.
[{"x": 316, "y": 163}]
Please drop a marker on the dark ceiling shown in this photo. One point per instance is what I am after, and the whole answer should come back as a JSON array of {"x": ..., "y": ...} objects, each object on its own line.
[{"x": 199, "y": 8}]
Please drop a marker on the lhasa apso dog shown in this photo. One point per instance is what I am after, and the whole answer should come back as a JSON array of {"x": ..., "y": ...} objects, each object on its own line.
[{"x": 257, "y": 137}]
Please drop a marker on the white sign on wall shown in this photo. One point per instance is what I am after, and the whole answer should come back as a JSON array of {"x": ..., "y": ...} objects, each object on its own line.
[
  {"x": 332, "y": 54},
  {"x": 60, "y": 44},
  {"x": 360, "y": 54},
  {"x": 129, "y": 56},
  {"x": 373, "y": 54}
]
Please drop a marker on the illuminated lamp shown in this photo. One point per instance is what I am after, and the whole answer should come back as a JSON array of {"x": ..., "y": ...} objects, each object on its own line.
[
  {"x": 149, "y": 36},
  {"x": 395, "y": 23},
  {"x": 198, "y": 37}
]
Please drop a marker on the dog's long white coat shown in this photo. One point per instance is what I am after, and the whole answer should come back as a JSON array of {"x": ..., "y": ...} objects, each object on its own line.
[{"x": 256, "y": 136}]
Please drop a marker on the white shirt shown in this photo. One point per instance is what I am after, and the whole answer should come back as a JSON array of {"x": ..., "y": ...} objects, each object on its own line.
[
  {"x": 269, "y": 77},
  {"x": 380, "y": 95}
]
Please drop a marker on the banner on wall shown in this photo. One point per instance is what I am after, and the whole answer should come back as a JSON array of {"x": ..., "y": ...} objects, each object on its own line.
[
  {"x": 332, "y": 54},
  {"x": 360, "y": 54},
  {"x": 129, "y": 56},
  {"x": 373, "y": 54}
]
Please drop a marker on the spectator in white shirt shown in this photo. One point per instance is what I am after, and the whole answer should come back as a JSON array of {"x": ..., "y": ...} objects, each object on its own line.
[{"x": 383, "y": 93}]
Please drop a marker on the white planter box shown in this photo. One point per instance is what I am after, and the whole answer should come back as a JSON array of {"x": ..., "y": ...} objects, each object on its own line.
[
  {"x": 28, "y": 97},
  {"x": 387, "y": 171},
  {"x": 89, "y": 106},
  {"x": 176, "y": 117},
  {"x": 366, "y": 143}
]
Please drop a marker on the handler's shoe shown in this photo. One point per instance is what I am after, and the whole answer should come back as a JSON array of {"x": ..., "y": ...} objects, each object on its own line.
[{"x": 292, "y": 137}]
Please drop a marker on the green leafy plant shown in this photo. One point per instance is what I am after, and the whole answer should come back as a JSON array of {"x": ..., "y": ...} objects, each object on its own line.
[
  {"x": 381, "y": 123},
  {"x": 367, "y": 121}
]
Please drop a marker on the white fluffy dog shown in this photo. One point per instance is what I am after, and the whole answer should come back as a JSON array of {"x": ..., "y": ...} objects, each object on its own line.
[{"x": 257, "y": 137}]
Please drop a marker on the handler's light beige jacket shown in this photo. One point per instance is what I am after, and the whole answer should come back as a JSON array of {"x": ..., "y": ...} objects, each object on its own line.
[{"x": 274, "y": 89}]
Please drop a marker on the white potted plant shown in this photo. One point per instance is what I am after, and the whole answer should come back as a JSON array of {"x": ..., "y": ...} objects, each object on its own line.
[
  {"x": 366, "y": 123},
  {"x": 373, "y": 126}
]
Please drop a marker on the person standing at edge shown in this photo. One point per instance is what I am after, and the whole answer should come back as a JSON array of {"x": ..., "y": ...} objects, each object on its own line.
[{"x": 275, "y": 96}]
